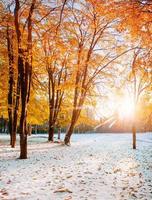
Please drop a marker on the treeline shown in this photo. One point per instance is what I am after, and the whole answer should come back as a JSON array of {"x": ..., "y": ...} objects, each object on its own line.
[{"x": 54, "y": 54}]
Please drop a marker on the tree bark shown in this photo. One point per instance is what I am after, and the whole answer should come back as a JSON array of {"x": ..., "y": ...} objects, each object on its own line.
[
  {"x": 134, "y": 136},
  {"x": 15, "y": 115},
  {"x": 69, "y": 133},
  {"x": 23, "y": 145},
  {"x": 59, "y": 133},
  {"x": 51, "y": 133},
  {"x": 75, "y": 116},
  {"x": 10, "y": 82},
  {"x": 24, "y": 72},
  {"x": 51, "y": 87},
  {"x": 76, "y": 102},
  {"x": 76, "y": 113},
  {"x": 24, "y": 85},
  {"x": 23, "y": 136}
]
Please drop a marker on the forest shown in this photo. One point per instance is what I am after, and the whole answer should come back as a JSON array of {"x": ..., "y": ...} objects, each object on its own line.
[
  {"x": 62, "y": 60},
  {"x": 76, "y": 99}
]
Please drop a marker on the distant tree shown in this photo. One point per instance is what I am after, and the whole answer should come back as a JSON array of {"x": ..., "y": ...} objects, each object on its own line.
[{"x": 141, "y": 80}]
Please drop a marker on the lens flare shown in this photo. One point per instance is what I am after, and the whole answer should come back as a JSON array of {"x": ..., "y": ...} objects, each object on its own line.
[{"x": 126, "y": 108}]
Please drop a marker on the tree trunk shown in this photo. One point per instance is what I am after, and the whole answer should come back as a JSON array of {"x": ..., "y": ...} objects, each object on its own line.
[
  {"x": 69, "y": 133},
  {"x": 77, "y": 100},
  {"x": 15, "y": 116},
  {"x": 23, "y": 145},
  {"x": 10, "y": 125},
  {"x": 75, "y": 116},
  {"x": 51, "y": 133},
  {"x": 51, "y": 87},
  {"x": 23, "y": 138},
  {"x": 134, "y": 136},
  {"x": 24, "y": 71},
  {"x": 23, "y": 132},
  {"x": 14, "y": 127},
  {"x": 74, "y": 113},
  {"x": 10, "y": 82},
  {"x": 13, "y": 139},
  {"x": 59, "y": 133},
  {"x": 35, "y": 129}
]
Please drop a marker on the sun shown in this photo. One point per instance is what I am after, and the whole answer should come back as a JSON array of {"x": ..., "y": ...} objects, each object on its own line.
[{"x": 126, "y": 108}]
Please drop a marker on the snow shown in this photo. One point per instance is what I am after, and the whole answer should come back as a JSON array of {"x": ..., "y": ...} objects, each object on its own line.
[{"x": 95, "y": 167}]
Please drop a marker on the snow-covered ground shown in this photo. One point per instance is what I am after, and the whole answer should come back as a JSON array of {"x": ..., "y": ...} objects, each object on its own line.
[{"x": 95, "y": 167}]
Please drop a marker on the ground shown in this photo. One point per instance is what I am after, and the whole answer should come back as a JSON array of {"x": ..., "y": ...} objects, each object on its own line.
[{"x": 95, "y": 167}]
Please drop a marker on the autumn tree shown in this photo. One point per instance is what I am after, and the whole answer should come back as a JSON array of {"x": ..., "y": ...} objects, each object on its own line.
[
  {"x": 55, "y": 56},
  {"x": 141, "y": 81},
  {"x": 140, "y": 32},
  {"x": 3, "y": 77},
  {"x": 7, "y": 38},
  {"x": 13, "y": 81},
  {"x": 24, "y": 66},
  {"x": 88, "y": 31}
]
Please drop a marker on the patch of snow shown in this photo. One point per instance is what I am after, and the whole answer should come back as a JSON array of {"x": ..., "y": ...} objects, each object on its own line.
[{"x": 95, "y": 167}]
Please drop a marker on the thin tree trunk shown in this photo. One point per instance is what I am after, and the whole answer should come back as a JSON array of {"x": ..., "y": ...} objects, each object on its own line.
[
  {"x": 11, "y": 82},
  {"x": 35, "y": 129},
  {"x": 10, "y": 125},
  {"x": 59, "y": 133},
  {"x": 134, "y": 136},
  {"x": 51, "y": 87},
  {"x": 15, "y": 116},
  {"x": 24, "y": 85}
]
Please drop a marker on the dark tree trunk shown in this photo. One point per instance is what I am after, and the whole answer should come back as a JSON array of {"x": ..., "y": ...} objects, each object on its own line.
[
  {"x": 59, "y": 133},
  {"x": 15, "y": 116},
  {"x": 35, "y": 129},
  {"x": 51, "y": 87},
  {"x": 24, "y": 72},
  {"x": 10, "y": 126},
  {"x": 23, "y": 145},
  {"x": 13, "y": 139},
  {"x": 23, "y": 136},
  {"x": 23, "y": 133},
  {"x": 51, "y": 133},
  {"x": 13, "y": 97},
  {"x": 11, "y": 81},
  {"x": 134, "y": 136}
]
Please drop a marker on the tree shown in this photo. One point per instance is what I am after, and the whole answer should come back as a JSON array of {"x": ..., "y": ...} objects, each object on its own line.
[
  {"x": 6, "y": 49},
  {"x": 141, "y": 79},
  {"x": 140, "y": 33},
  {"x": 11, "y": 81},
  {"x": 13, "y": 93},
  {"x": 24, "y": 69},
  {"x": 89, "y": 30}
]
